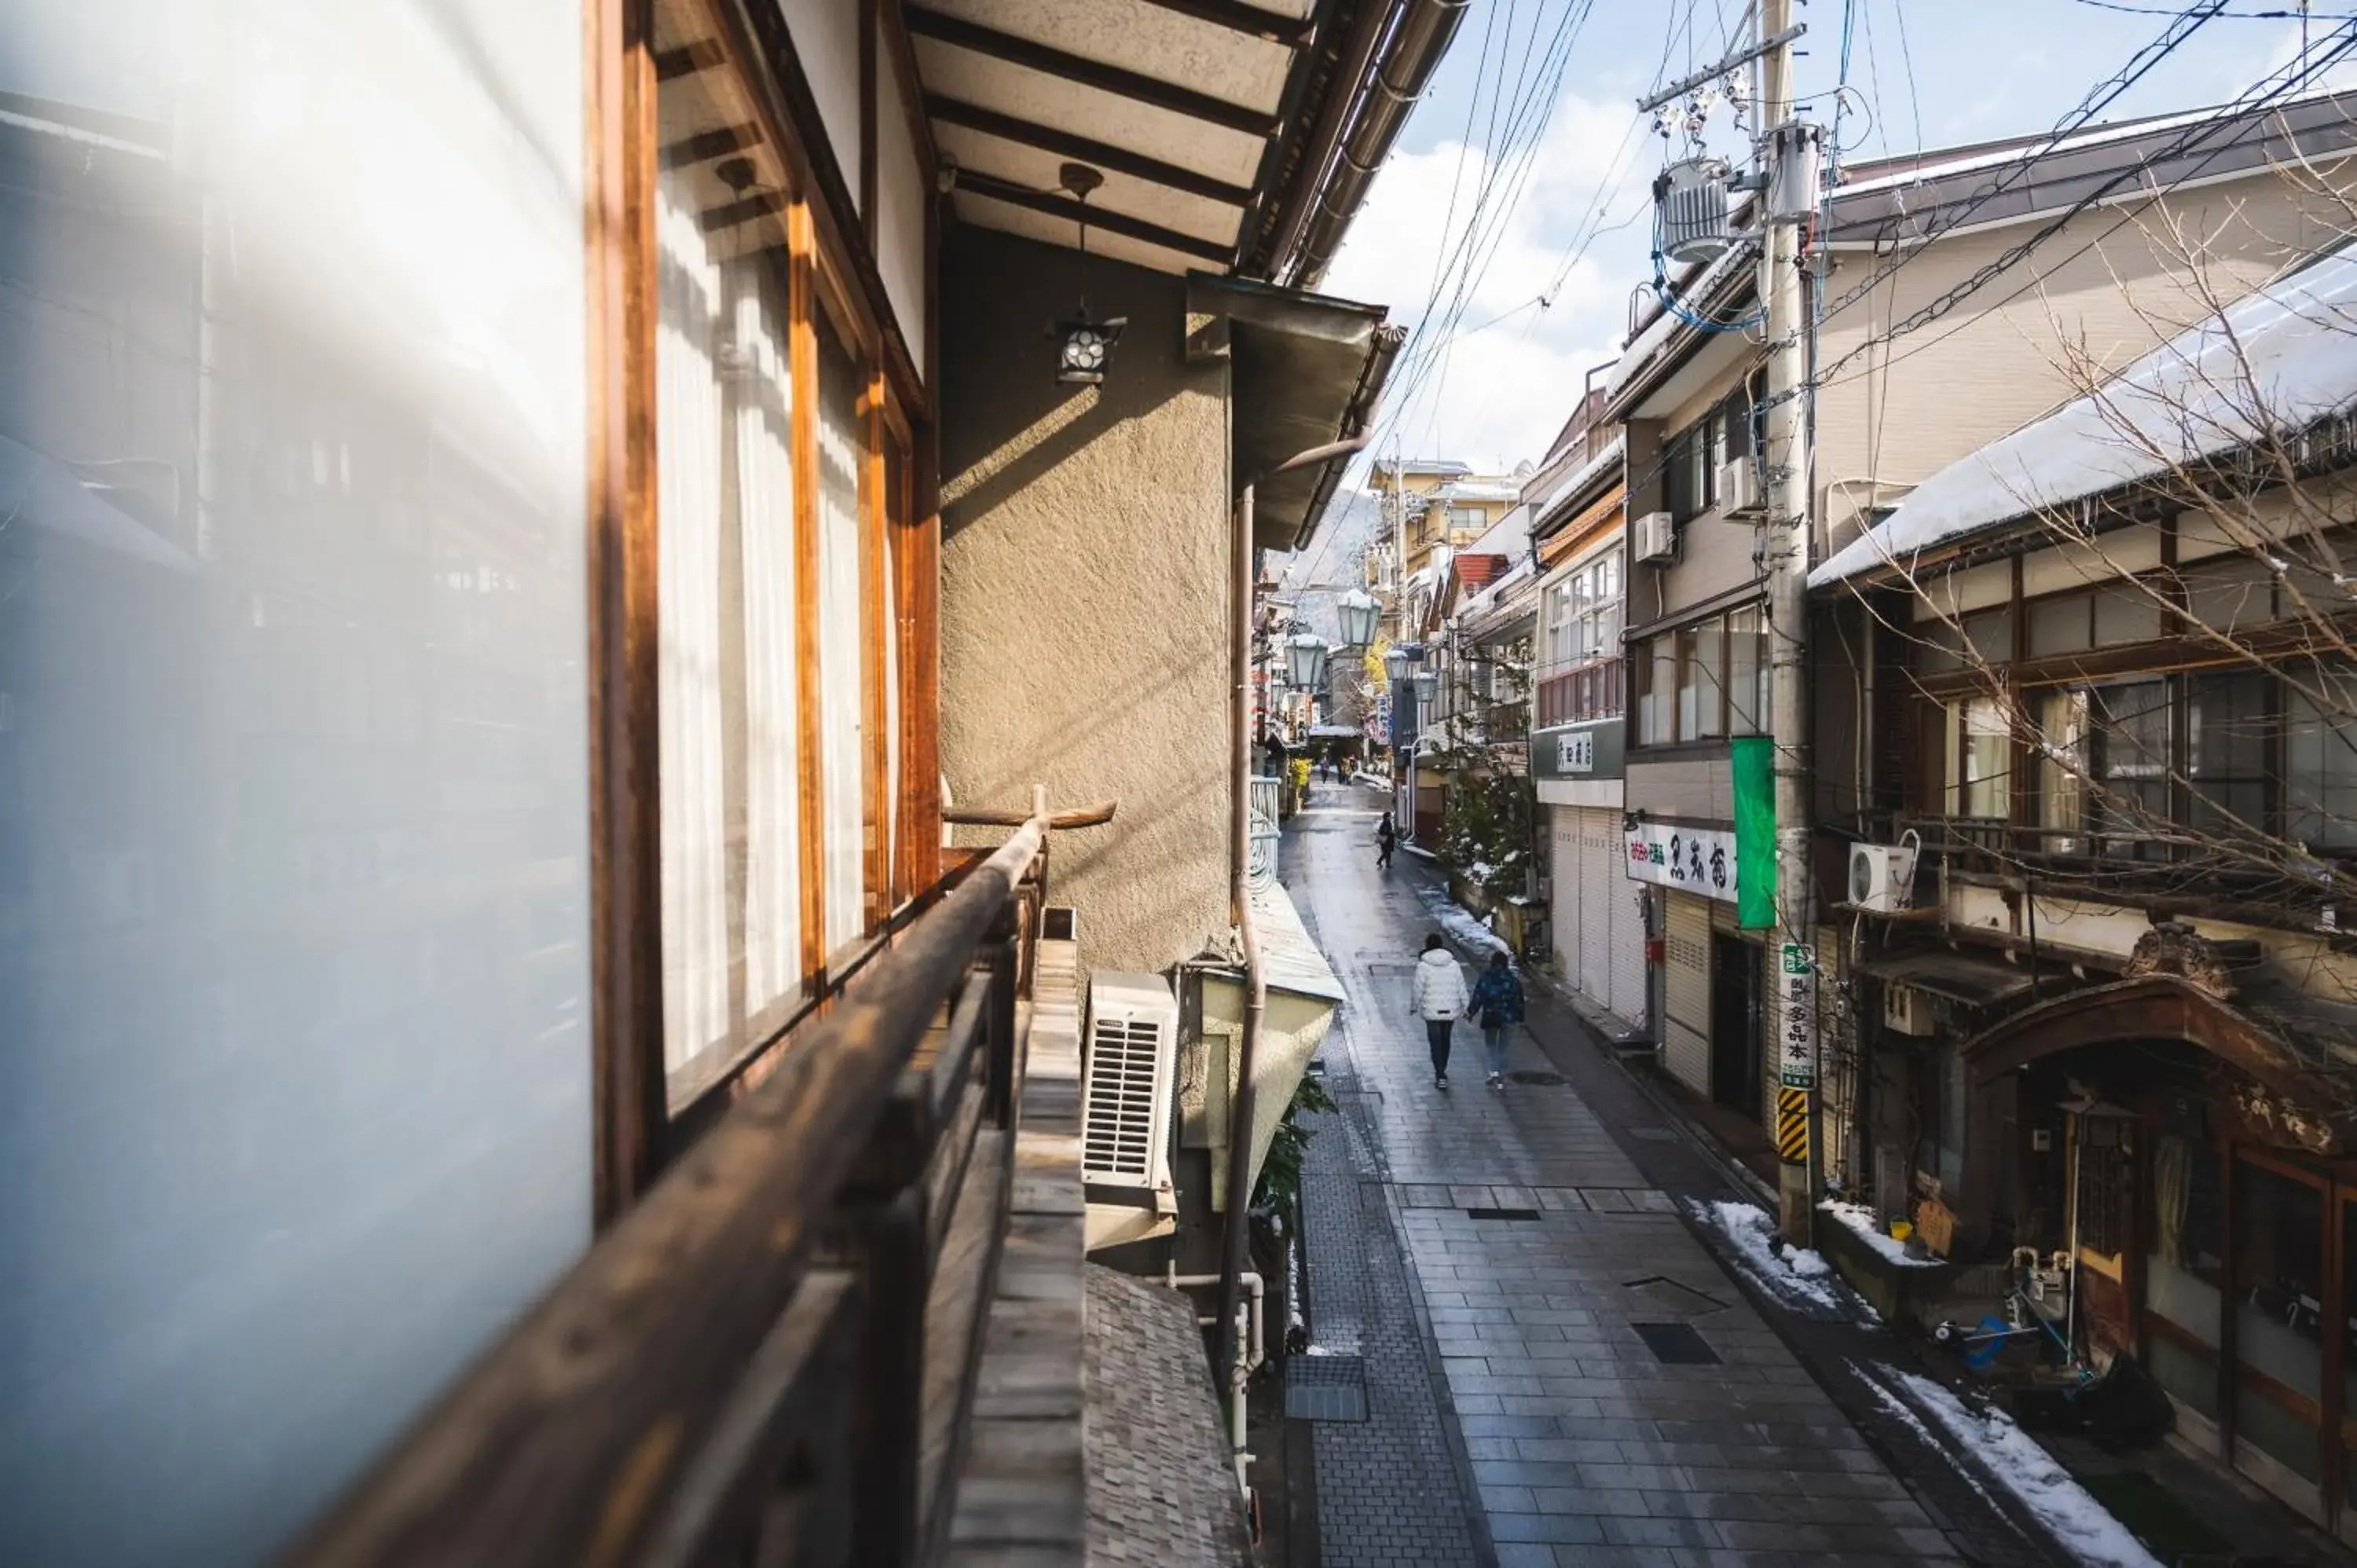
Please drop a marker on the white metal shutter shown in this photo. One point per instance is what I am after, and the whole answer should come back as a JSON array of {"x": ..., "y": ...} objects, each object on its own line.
[
  {"x": 1563, "y": 853},
  {"x": 1126, "y": 1081},
  {"x": 1599, "y": 871},
  {"x": 1686, "y": 1034}
]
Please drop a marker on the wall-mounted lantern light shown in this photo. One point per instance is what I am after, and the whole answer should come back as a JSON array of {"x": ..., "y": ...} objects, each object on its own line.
[
  {"x": 1358, "y": 611},
  {"x": 1084, "y": 346},
  {"x": 1304, "y": 660}
]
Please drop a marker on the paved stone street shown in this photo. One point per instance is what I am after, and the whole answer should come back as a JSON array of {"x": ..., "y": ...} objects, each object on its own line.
[{"x": 1507, "y": 1237}]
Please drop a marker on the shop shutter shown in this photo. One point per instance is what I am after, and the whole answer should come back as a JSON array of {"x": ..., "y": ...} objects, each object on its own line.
[
  {"x": 1686, "y": 1034},
  {"x": 1599, "y": 870},
  {"x": 1563, "y": 866},
  {"x": 1626, "y": 939}
]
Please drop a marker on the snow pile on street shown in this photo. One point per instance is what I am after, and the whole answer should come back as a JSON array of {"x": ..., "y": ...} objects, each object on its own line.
[
  {"x": 1860, "y": 1219},
  {"x": 2024, "y": 1468},
  {"x": 1794, "y": 1274},
  {"x": 1459, "y": 923},
  {"x": 1899, "y": 1409},
  {"x": 1377, "y": 779}
]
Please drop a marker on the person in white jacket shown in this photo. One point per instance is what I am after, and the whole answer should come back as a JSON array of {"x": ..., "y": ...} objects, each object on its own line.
[{"x": 1440, "y": 997}]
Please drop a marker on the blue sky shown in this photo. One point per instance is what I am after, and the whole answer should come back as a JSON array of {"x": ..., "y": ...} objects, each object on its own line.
[{"x": 1926, "y": 73}]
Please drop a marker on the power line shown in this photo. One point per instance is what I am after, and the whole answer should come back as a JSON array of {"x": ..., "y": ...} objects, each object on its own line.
[{"x": 1989, "y": 272}]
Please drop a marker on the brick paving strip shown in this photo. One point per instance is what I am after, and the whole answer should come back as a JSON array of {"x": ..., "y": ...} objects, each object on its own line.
[{"x": 1585, "y": 1445}]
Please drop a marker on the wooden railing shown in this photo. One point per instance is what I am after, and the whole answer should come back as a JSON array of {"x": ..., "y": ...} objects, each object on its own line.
[{"x": 771, "y": 1360}]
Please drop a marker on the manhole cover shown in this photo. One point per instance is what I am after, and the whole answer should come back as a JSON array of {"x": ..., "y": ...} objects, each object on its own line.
[
  {"x": 1649, "y": 1134},
  {"x": 1326, "y": 1388},
  {"x": 1673, "y": 1296},
  {"x": 1676, "y": 1344},
  {"x": 1502, "y": 1214},
  {"x": 1544, "y": 1079}
]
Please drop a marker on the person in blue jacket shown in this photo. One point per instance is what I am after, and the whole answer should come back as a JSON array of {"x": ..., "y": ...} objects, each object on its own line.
[{"x": 1497, "y": 1006}]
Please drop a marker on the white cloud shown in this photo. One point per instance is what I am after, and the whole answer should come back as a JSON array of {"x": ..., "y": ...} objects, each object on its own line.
[{"x": 1496, "y": 391}]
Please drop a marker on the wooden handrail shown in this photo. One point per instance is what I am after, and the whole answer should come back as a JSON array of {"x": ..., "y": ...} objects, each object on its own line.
[
  {"x": 992, "y": 817},
  {"x": 716, "y": 1379}
]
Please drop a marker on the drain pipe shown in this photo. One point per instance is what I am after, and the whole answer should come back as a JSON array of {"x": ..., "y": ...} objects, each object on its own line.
[
  {"x": 1241, "y": 1109},
  {"x": 1250, "y": 1355}
]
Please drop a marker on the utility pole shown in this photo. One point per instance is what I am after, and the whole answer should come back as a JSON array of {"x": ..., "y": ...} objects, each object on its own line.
[{"x": 1793, "y": 991}]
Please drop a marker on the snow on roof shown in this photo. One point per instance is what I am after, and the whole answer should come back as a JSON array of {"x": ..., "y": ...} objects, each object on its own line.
[
  {"x": 1509, "y": 535},
  {"x": 1476, "y": 490},
  {"x": 1665, "y": 322},
  {"x": 1581, "y": 477},
  {"x": 2276, "y": 359}
]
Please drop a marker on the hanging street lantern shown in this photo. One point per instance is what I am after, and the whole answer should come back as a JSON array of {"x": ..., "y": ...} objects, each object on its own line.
[
  {"x": 1084, "y": 346},
  {"x": 1304, "y": 660},
  {"x": 1358, "y": 611}
]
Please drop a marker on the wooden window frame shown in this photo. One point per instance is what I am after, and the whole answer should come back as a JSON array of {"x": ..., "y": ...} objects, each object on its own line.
[{"x": 830, "y": 266}]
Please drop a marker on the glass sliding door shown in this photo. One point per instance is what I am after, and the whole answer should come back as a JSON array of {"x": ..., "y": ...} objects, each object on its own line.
[
  {"x": 2280, "y": 1295},
  {"x": 843, "y": 718}
]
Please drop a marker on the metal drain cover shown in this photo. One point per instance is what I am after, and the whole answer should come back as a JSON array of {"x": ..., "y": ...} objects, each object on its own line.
[
  {"x": 1326, "y": 1388},
  {"x": 1675, "y": 1297},
  {"x": 1543, "y": 1079},
  {"x": 1676, "y": 1344},
  {"x": 1502, "y": 1214}
]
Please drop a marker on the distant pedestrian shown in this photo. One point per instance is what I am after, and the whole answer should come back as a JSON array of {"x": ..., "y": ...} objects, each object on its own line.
[
  {"x": 1497, "y": 1006},
  {"x": 1440, "y": 1000},
  {"x": 1386, "y": 840}
]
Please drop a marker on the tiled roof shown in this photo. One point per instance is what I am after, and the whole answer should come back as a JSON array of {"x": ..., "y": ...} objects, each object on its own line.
[
  {"x": 1162, "y": 1486},
  {"x": 1478, "y": 572}
]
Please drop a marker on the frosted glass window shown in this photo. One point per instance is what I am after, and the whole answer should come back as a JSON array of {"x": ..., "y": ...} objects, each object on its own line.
[
  {"x": 843, "y": 716},
  {"x": 691, "y": 507},
  {"x": 296, "y": 998}
]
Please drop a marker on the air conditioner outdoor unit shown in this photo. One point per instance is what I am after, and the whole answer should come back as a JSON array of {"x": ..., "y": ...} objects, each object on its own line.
[
  {"x": 1906, "y": 1010},
  {"x": 1657, "y": 537},
  {"x": 1738, "y": 487},
  {"x": 1132, "y": 1047},
  {"x": 1882, "y": 878}
]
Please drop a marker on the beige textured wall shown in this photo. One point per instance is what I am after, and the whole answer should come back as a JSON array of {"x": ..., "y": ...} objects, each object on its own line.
[
  {"x": 2114, "y": 283},
  {"x": 1084, "y": 588}
]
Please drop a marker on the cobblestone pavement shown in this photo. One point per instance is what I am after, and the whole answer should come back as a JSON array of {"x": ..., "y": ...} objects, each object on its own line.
[{"x": 1581, "y": 1440}]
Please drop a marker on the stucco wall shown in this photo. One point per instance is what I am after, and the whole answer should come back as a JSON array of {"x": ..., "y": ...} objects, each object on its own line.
[
  {"x": 1084, "y": 588},
  {"x": 2107, "y": 287}
]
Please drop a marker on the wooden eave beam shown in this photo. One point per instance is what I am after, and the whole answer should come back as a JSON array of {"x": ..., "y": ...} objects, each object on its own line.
[
  {"x": 706, "y": 145},
  {"x": 688, "y": 59},
  {"x": 1250, "y": 20},
  {"x": 1103, "y": 218},
  {"x": 959, "y": 33},
  {"x": 1102, "y": 154}
]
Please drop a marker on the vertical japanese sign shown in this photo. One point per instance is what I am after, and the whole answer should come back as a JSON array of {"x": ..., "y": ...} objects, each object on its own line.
[
  {"x": 1753, "y": 760},
  {"x": 1796, "y": 978}
]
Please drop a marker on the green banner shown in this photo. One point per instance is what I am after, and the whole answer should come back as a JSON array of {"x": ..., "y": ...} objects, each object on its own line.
[{"x": 1754, "y": 761}]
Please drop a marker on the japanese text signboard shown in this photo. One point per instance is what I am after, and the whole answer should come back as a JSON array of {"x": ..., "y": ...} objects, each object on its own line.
[
  {"x": 1694, "y": 860},
  {"x": 1796, "y": 978}
]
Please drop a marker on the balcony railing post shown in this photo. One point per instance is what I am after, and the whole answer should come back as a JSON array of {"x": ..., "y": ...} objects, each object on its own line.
[
  {"x": 895, "y": 1269},
  {"x": 1002, "y": 960}
]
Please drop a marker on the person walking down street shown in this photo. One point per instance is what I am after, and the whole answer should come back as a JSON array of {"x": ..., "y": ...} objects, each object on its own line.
[
  {"x": 1440, "y": 998},
  {"x": 1497, "y": 1006},
  {"x": 1386, "y": 840}
]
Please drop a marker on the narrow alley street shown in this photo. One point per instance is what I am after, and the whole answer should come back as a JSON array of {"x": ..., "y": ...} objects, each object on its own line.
[{"x": 1555, "y": 1368}]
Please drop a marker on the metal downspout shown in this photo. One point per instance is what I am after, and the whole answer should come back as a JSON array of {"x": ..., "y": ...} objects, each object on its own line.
[
  {"x": 1389, "y": 58},
  {"x": 1241, "y": 1106},
  {"x": 1411, "y": 47}
]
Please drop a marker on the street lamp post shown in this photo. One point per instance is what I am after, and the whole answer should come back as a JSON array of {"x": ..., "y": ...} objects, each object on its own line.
[
  {"x": 1304, "y": 660},
  {"x": 1358, "y": 612}
]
